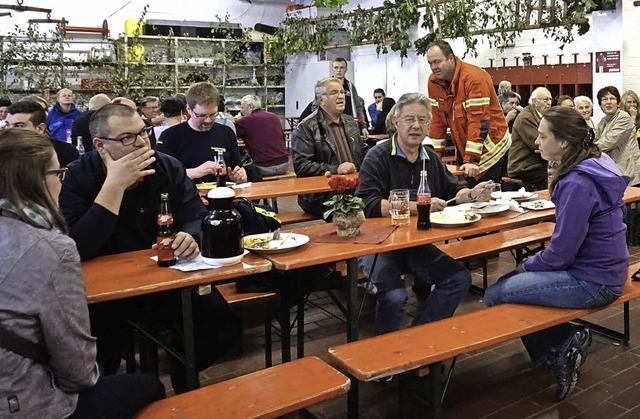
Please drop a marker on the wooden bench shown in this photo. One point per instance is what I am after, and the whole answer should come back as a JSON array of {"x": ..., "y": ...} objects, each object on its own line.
[
  {"x": 287, "y": 175},
  {"x": 430, "y": 344},
  {"x": 481, "y": 247},
  {"x": 296, "y": 217},
  {"x": 268, "y": 393},
  {"x": 274, "y": 201},
  {"x": 271, "y": 303}
]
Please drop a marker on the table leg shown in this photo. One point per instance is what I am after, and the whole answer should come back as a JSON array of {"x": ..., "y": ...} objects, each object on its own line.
[
  {"x": 189, "y": 345},
  {"x": 352, "y": 304}
]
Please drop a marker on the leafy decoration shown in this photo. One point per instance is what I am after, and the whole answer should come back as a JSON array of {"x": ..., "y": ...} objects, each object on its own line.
[{"x": 392, "y": 24}]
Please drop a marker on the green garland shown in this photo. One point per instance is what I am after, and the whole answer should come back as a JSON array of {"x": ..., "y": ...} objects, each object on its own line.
[{"x": 390, "y": 26}]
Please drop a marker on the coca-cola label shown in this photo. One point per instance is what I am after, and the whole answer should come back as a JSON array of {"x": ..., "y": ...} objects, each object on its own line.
[
  {"x": 165, "y": 219},
  {"x": 424, "y": 199}
]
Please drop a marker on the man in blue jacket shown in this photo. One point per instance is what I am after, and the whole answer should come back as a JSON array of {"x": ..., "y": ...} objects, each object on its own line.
[{"x": 62, "y": 114}]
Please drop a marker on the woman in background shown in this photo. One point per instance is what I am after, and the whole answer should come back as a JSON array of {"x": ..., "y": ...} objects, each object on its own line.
[
  {"x": 585, "y": 264},
  {"x": 616, "y": 134},
  {"x": 584, "y": 106},
  {"x": 629, "y": 103},
  {"x": 47, "y": 356}
]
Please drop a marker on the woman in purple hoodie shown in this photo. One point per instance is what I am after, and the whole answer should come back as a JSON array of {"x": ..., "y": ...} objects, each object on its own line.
[{"x": 585, "y": 265}]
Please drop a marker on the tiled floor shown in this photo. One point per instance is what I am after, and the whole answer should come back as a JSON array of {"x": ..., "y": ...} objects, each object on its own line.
[{"x": 494, "y": 383}]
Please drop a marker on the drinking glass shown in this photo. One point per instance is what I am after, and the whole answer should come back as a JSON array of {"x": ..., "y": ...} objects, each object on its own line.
[
  {"x": 399, "y": 207},
  {"x": 496, "y": 191}
]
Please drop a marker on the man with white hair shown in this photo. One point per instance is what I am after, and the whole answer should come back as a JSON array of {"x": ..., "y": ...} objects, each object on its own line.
[
  {"x": 525, "y": 163},
  {"x": 62, "y": 114},
  {"x": 328, "y": 140},
  {"x": 398, "y": 163},
  {"x": 81, "y": 124},
  {"x": 262, "y": 133}
]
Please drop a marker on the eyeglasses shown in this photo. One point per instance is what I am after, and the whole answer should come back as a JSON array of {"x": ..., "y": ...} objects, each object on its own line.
[
  {"x": 128, "y": 139},
  {"x": 61, "y": 174},
  {"x": 335, "y": 93},
  {"x": 544, "y": 99},
  {"x": 211, "y": 116},
  {"x": 410, "y": 120}
]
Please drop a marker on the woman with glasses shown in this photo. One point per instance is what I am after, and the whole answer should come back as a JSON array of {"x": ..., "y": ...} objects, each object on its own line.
[
  {"x": 616, "y": 134},
  {"x": 585, "y": 264},
  {"x": 47, "y": 356}
]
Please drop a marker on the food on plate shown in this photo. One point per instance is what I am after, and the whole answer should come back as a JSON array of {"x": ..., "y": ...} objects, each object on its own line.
[
  {"x": 537, "y": 205},
  {"x": 206, "y": 185},
  {"x": 453, "y": 218},
  {"x": 257, "y": 242}
]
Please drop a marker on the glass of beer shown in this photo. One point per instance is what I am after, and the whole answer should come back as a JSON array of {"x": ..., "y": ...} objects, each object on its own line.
[{"x": 399, "y": 207}]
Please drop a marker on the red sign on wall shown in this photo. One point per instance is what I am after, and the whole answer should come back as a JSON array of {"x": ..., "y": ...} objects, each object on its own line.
[{"x": 608, "y": 62}]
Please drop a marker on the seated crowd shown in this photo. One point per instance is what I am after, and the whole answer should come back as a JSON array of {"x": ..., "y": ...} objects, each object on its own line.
[{"x": 76, "y": 186}]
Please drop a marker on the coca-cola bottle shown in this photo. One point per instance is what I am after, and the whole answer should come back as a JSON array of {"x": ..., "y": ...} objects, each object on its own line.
[
  {"x": 221, "y": 170},
  {"x": 424, "y": 203},
  {"x": 166, "y": 234}
]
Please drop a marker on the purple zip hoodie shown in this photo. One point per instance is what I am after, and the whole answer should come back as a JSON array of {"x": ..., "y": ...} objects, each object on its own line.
[{"x": 589, "y": 240}]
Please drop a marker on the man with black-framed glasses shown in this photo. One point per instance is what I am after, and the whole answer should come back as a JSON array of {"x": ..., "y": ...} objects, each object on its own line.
[
  {"x": 111, "y": 201},
  {"x": 196, "y": 143}
]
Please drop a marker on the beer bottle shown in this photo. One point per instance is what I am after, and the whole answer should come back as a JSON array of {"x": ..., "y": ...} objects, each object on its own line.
[
  {"x": 166, "y": 235},
  {"x": 424, "y": 203},
  {"x": 221, "y": 170}
]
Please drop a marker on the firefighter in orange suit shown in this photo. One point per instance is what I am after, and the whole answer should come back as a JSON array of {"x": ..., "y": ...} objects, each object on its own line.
[{"x": 465, "y": 101}]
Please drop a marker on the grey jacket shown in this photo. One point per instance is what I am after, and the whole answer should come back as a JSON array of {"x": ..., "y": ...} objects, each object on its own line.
[
  {"x": 616, "y": 136},
  {"x": 43, "y": 300},
  {"x": 314, "y": 153}
]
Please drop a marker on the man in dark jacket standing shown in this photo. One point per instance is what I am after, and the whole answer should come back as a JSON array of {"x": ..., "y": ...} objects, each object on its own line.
[{"x": 326, "y": 141}]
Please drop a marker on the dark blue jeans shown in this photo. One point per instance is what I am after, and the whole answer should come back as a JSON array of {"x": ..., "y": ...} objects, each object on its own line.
[
  {"x": 426, "y": 264},
  {"x": 551, "y": 289},
  {"x": 118, "y": 396}
]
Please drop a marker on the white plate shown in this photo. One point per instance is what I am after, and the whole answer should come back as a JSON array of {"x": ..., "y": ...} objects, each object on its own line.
[
  {"x": 222, "y": 261},
  {"x": 286, "y": 243},
  {"x": 452, "y": 219},
  {"x": 515, "y": 195},
  {"x": 485, "y": 209},
  {"x": 540, "y": 204}
]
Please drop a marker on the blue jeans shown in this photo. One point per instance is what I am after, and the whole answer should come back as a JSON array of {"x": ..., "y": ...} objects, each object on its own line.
[
  {"x": 426, "y": 264},
  {"x": 551, "y": 289}
]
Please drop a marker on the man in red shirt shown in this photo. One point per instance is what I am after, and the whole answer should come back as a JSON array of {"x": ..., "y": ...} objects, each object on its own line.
[
  {"x": 262, "y": 133},
  {"x": 464, "y": 100}
]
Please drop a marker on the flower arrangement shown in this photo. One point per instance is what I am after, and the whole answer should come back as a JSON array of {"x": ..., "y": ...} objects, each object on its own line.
[{"x": 343, "y": 201}]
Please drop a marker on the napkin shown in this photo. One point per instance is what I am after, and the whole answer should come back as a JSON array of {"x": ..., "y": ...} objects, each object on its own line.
[
  {"x": 196, "y": 264},
  {"x": 242, "y": 185}
]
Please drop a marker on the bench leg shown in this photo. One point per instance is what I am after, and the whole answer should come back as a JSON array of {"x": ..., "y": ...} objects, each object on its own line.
[
  {"x": 189, "y": 344},
  {"x": 268, "y": 343},
  {"x": 427, "y": 391},
  {"x": 352, "y": 399},
  {"x": 623, "y": 336}
]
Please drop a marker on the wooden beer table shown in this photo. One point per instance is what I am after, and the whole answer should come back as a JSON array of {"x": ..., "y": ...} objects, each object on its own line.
[
  {"x": 315, "y": 253},
  {"x": 133, "y": 274}
]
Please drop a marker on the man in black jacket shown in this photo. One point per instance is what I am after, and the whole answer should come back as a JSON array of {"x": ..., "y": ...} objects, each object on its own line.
[
  {"x": 30, "y": 115},
  {"x": 111, "y": 200},
  {"x": 327, "y": 141}
]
